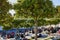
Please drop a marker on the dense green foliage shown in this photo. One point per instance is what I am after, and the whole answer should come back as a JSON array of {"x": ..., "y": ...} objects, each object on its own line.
[
  {"x": 5, "y": 17},
  {"x": 39, "y": 9},
  {"x": 27, "y": 12}
]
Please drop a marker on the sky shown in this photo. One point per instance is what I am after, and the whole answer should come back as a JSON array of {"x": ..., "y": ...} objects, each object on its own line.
[
  {"x": 56, "y": 2},
  {"x": 12, "y": 1},
  {"x": 0, "y": 27},
  {"x": 12, "y": 12}
]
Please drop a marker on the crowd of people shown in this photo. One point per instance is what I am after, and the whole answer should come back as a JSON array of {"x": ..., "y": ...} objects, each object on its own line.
[{"x": 30, "y": 34}]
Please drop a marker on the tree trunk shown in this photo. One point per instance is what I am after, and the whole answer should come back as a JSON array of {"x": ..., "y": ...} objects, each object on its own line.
[
  {"x": 55, "y": 25},
  {"x": 35, "y": 29},
  {"x": 50, "y": 25},
  {"x": 35, "y": 33}
]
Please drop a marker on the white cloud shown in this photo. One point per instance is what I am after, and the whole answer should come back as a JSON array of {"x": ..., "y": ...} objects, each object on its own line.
[{"x": 12, "y": 1}]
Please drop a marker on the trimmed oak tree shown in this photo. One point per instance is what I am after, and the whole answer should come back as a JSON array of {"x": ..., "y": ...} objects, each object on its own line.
[{"x": 36, "y": 9}]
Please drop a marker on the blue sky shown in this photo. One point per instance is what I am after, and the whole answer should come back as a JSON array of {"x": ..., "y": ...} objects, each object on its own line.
[
  {"x": 0, "y": 28},
  {"x": 56, "y": 2}
]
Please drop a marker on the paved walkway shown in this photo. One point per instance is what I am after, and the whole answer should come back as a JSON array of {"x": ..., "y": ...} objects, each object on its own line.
[
  {"x": 42, "y": 39},
  {"x": 32, "y": 39},
  {"x": 7, "y": 39}
]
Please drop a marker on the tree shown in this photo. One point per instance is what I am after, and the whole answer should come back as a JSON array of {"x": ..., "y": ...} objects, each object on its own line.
[
  {"x": 57, "y": 11},
  {"x": 36, "y": 9},
  {"x": 5, "y": 17},
  {"x": 6, "y": 23}
]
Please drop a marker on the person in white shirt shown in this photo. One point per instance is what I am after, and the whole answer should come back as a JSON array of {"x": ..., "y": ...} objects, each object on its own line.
[{"x": 1, "y": 38}]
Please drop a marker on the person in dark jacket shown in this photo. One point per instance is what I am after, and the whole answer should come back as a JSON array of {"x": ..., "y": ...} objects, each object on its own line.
[{"x": 17, "y": 37}]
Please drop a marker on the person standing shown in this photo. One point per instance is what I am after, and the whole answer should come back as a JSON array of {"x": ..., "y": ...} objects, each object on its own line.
[
  {"x": 1, "y": 38},
  {"x": 17, "y": 37}
]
